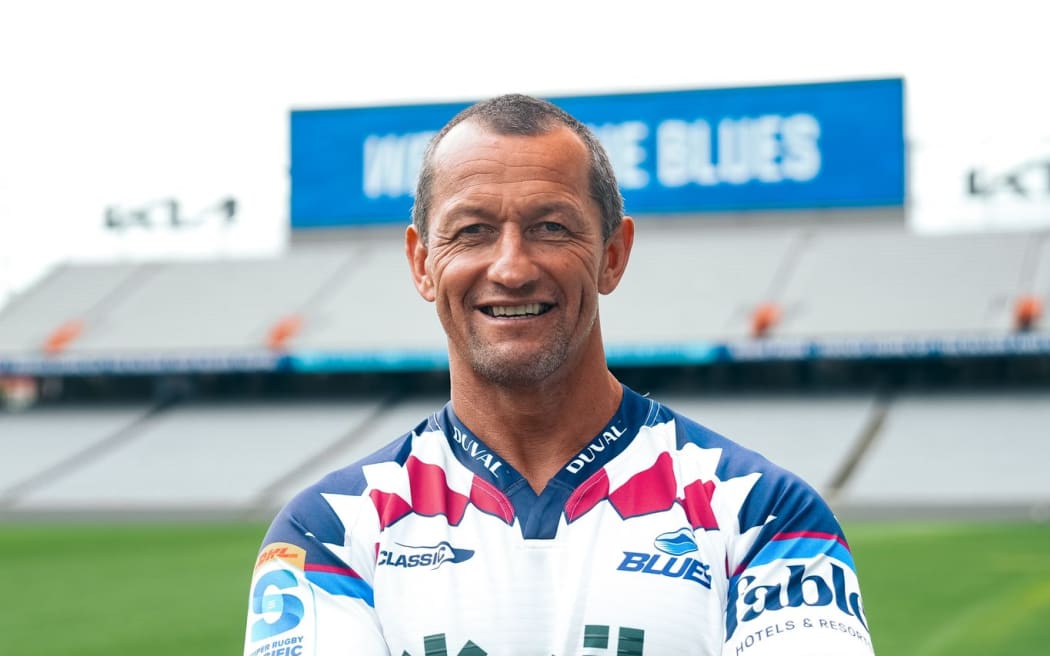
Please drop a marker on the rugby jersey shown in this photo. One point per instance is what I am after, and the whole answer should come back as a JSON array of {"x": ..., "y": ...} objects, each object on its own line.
[{"x": 660, "y": 537}]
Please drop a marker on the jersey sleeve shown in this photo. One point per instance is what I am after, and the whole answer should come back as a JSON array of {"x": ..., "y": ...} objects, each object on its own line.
[
  {"x": 311, "y": 591},
  {"x": 793, "y": 587}
]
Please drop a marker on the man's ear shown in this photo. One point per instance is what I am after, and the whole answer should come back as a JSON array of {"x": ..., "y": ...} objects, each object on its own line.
[
  {"x": 617, "y": 251},
  {"x": 416, "y": 252}
]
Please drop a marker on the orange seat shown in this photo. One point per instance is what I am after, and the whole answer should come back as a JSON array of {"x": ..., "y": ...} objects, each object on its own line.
[
  {"x": 282, "y": 331},
  {"x": 1027, "y": 311},
  {"x": 765, "y": 316},
  {"x": 60, "y": 337}
]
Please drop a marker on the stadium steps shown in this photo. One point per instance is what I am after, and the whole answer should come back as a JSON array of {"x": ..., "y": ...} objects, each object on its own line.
[
  {"x": 955, "y": 455},
  {"x": 862, "y": 444},
  {"x": 366, "y": 438},
  {"x": 82, "y": 457},
  {"x": 79, "y": 292},
  {"x": 270, "y": 496},
  {"x": 198, "y": 460}
]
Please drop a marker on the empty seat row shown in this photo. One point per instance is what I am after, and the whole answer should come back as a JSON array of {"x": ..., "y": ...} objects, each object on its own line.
[
  {"x": 929, "y": 451},
  {"x": 685, "y": 284}
]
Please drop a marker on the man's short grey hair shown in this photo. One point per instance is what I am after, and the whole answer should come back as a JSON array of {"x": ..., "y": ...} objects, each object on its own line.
[{"x": 516, "y": 114}]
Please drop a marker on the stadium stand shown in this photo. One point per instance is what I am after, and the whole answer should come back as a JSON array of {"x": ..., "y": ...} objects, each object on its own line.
[
  {"x": 813, "y": 436},
  {"x": 693, "y": 300},
  {"x": 69, "y": 293},
  {"x": 1041, "y": 283},
  {"x": 42, "y": 443},
  {"x": 223, "y": 305},
  {"x": 199, "y": 457},
  {"x": 374, "y": 306},
  {"x": 871, "y": 448},
  {"x": 870, "y": 281},
  {"x": 978, "y": 452},
  {"x": 396, "y": 419},
  {"x": 810, "y": 282}
]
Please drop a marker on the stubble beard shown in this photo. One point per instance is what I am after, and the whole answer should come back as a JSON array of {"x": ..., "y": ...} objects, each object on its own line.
[{"x": 510, "y": 369}]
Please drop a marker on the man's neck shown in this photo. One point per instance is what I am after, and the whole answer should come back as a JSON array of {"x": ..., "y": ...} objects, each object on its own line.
[{"x": 540, "y": 427}]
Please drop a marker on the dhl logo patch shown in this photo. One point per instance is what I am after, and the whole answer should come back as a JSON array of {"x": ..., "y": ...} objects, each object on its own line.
[{"x": 289, "y": 553}]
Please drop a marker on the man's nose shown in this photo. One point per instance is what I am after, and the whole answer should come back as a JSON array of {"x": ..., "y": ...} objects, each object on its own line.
[{"x": 512, "y": 265}]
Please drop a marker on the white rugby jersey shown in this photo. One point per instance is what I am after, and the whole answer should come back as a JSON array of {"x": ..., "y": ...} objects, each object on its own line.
[{"x": 659, "y": 538}]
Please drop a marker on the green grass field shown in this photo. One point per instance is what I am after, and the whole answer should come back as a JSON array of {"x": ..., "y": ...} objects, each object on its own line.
[{"x": 929, "y": 589}]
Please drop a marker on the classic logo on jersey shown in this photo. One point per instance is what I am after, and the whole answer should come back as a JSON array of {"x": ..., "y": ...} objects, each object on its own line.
[
  {"x": 433, "y": 557},
  {"x": 670, "y": 563}
]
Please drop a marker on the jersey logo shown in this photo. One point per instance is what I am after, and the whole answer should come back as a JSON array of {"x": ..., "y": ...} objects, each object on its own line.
[
  {"x": 676, "y": 543},
  {"x": 592, "y": 450},
  {"x": 289, "y": 553},
  {"x": 771, "y": 582},
  {"x": 433, "y": 557},
  {"x": 670, "y": 563},
  {"x": 277, "y": 612},
  {"x": 476, "y": 451},
  {"x": 792, "y": 586}
]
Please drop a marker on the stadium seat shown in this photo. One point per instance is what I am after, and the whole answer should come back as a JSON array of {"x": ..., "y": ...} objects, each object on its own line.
[
  {"x": 283, "y": 331},
  {"x": 61, "y": 337},
  {"x": 765, "y": 316},
  {"x": 1027, "y": 312}
]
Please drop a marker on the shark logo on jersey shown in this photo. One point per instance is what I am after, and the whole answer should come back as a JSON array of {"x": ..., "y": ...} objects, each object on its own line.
[
  {"x": 432, "y": 557},
  {"x": 676, "y": 543}
]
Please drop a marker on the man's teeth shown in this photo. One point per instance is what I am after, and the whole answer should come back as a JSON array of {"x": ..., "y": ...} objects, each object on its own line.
[{"x": 517, "y": 310}]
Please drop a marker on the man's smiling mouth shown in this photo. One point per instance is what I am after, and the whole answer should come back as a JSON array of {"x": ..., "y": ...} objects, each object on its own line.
[{"x": 513, "y": 311}]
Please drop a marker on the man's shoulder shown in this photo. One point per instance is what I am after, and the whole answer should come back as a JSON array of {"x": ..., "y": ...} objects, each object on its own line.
[
  {"x": 734, "y": 460},
  {"x": 763, "y": 489}
]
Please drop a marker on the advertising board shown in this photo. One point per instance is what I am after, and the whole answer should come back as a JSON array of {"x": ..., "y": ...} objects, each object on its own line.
[{"x": 797, "y": 146}]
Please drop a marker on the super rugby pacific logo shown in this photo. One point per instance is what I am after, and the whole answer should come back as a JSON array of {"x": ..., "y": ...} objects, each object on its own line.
[
  {"x": 672, "y": 563},
  {"x": 433, "y": 557}
]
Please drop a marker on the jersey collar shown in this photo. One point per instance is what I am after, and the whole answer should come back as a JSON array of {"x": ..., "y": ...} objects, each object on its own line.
[{"x": 473, "y": 453}]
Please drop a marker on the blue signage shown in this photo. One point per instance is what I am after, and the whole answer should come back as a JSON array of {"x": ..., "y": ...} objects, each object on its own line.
[{"x": 795, "y": 146}]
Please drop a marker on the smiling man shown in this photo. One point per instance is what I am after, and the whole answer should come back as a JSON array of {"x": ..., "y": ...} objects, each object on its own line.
[{"x": 547, "y": 509}]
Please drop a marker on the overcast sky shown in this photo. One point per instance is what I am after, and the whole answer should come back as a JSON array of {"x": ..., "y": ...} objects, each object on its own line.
[{"x": 124, "y": 102}]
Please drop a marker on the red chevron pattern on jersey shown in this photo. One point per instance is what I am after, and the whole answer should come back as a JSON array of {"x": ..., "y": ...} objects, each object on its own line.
[
  {"x": 489, "y": 500},
  {"x": 649, "y": 491},
  {"x": 432, "y": 496}
]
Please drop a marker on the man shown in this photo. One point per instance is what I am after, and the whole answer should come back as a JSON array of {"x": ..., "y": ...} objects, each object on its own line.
[{"x": 546, "y": 509}]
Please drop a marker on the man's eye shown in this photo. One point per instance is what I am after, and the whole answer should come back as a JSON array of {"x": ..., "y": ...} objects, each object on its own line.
[
  {"x": 551, "y": 226},
  {"x": 475, "y": 229}
]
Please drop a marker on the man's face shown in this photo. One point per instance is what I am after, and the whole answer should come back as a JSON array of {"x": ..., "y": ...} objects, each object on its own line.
[{"x": 514, "y": 259}]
